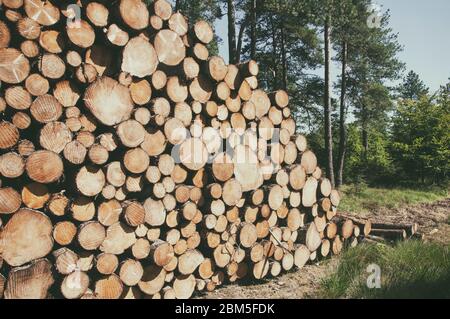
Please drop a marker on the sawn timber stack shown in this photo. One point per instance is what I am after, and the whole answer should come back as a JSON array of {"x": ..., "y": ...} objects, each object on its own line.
[{"x": 135, "y": 165}]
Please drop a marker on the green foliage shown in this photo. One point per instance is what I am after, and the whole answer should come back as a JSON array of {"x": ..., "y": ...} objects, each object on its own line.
[
  {"x": 374, "y": 103},
  {"x": 208, "y": 10},
  {"x": 421, "y": 138},
  {"x": 372, "y": 166},
  {"x": 410, "y": 144},
  {"x": 288, "y": 47},
  {"x": 372, "y": 61},
  {"x": 412, "y": 87},
  {"x": 359, "y": 198},
  {"x": 374, "y": 54},
  {"x": 388, "y": 142},
  {"x": 410, "y": 270}
]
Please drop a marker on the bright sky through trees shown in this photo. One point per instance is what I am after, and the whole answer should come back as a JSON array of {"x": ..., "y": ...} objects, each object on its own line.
[{"x": 424, "y": 31}]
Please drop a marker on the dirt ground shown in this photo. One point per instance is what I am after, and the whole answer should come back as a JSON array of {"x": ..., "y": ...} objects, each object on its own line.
[
  {"x": 300, "y": 284},
  {"x": 433, "y": 220}
]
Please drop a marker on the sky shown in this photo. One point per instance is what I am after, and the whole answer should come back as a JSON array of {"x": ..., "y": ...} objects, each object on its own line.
[{"x": 424, "y": 31}]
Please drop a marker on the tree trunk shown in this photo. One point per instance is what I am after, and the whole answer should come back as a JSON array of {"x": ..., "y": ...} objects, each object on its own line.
[
  {"x": 253, "y": 29},
  {"x": 327, "y": 111},
  {"x": 284, "y": 58},
  {"x": 274, "y": 55},
  {"x": 231, "y": 31},
  {"x": 365, "y": 133},
  {"x": 240, "y": 39},
  {"x": 342, "y": 118}
]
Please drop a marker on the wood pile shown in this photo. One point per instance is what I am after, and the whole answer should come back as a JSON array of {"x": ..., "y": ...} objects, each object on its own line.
[
  {"x": 386, "y": 231},
  {"x": 135, "y": 165}
]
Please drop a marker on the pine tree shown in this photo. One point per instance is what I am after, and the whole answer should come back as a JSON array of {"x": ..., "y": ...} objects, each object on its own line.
[
  {"x": 327, "y": 93},
  {"x": 347, "y": 24},
  {"x": 372, "y": 62},
  {"x": 412, "y": 87},
  {"x": 287, "y": 46},
  {"x": 420, "y": 138}
]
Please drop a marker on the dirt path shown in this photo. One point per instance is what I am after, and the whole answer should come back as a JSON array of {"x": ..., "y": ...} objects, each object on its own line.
[
  {"x": 433, "y": 220},
  {"x": 300, "y": 284}
]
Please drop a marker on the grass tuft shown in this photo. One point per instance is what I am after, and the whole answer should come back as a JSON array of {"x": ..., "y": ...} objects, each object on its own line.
[
  {"x": 360, "y": 199},
  {"x": 411, "y": 269}
]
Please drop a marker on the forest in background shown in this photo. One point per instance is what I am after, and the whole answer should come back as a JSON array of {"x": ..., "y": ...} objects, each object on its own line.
[{"x": 364, "y": 129}]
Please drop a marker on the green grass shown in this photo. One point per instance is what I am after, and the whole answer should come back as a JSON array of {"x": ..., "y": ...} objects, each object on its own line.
[
  {"x": 362, "y": 199},
  {"x": 410, "y": 270}
]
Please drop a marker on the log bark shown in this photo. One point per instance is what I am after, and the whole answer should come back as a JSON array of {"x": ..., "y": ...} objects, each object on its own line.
[
  {"x": 390, "y": 234},
  {"x": 410, "y": 229}
]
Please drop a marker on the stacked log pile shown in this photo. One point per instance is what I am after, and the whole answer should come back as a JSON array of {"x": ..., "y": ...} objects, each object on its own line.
[
  {"x": 385, "y": 230},
  {"x": 135, "y": 165}
]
